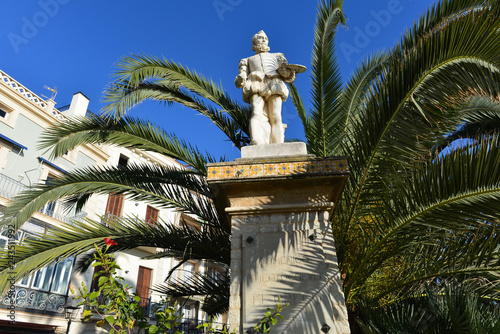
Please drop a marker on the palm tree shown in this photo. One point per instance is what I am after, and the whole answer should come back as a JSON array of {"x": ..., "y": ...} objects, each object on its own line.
[
  {"x": 439, "y": 308},
  {"x": 418, "y": 206}
]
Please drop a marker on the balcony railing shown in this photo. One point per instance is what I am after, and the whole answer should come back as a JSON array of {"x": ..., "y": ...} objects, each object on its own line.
[
  {"x": 145, "y": 303},
  {"x": 52, "y": 209},
  {"x": 35, "y": 300},
  {"x": 188, "y": 326},
  {"x": 9, "y": 187}
]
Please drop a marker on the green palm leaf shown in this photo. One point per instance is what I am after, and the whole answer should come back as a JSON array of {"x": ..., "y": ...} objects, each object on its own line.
[
  {"x": 143, "y": 77},
  {"x": 322, "y": 129},
  {"x": 129, "y": 233},
  {"x": 126, "y": 132},
  {"x": 165, "y": 187},
  {"x": 451, "y": 196},
  {"x": 215, "y": 290}
]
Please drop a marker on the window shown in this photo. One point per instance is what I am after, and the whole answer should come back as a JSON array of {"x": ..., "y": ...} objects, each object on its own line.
[
  {"x": 122, "y": 161},
  {"x": 115, "y": 204},
  {"x": 70, "y": 155},
  {"x": 54, "y": 278},
  {"x": 4, "y": 112},
  {"x": 50, "y": 208},
  {"x": 4, "y": 237},
  {"x": 25, "y": 282},
  {"x": 187, "y": 271},
  {"x": 7, "y": 115},
  {"x": 42, "y": 278},
  {"x": 151, "y": 215},
  {"x": 214, "y": 275},
  {"x": 62, "y": 275},
  {"x": 94, "y": 286},
  {"x": 188, "y": 311},
  {"x": 189, "y": 222}
]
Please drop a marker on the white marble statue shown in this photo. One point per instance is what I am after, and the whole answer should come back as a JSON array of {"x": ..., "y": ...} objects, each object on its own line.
[{"x": 263, "y": 78}]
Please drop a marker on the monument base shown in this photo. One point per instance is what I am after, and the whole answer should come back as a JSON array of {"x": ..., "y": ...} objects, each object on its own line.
[
  {"x": 282, "y": 246},
  {"x": 274, "y": 150}
]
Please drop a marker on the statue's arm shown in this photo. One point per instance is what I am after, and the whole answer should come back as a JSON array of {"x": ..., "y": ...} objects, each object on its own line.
[
  {"x": 287, "y": 74},
  {"x": 241, "y": 78}
]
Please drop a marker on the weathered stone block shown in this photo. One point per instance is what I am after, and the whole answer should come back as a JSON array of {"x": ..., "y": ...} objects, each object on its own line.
[
  {"x": 235, "y": 266},
  {"x": 269, "y": 228},
  {"x": 279, "y": 218},
  {"x": 236, "y": 254},
  {"x": 235, "y": 242}
]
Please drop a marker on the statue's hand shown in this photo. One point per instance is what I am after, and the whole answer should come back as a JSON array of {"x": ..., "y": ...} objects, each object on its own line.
[{"x": 240, "y": 81}]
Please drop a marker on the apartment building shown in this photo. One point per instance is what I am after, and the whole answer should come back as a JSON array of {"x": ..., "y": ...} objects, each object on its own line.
[{"x": 42, "y": 297}]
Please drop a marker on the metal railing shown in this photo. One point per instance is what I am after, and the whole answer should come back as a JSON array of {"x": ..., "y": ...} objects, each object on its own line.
[
  {"x": 35, "y": 300},
  {"x": 51, "y": 209},
  {"x": 189, "y": 326},
  {"x": 9, "y": 187},
  {"x": 145, "y": 303}
]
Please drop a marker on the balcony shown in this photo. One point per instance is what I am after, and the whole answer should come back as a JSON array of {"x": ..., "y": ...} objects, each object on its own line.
[
  {"x": 35, "y": 301},
  {"x": 9, "y": 188},
  {"x": 188, "y": 326},
  {"x": 145, "y": 304},
  {"x": 54, "y": 210}
]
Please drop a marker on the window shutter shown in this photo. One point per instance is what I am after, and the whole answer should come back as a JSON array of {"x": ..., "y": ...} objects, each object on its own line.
[
  {"x": 115, "y": 204},
  {"x": 151, "y": 215}
]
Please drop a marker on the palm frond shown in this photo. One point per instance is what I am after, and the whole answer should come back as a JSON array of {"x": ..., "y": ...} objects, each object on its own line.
[
  {"x": 138, "y": 72},
  {"x": 69, "y": 240},
  {"x": 299, "y": 105},
  {"x": 358, "y": 86},
  {"x": 448, "y": 306},
  {"x": 480, "y": 114},
  {"x": 165, "y": 92},
  {"x": 166, "y": 187},
  {"x": 127, "y": 132},
  {"x": 322, "y": 131},
  {"x": 437, "y": 206},
  {"x": 215, "y": 291},
  {"x": 403, "y": 115}
]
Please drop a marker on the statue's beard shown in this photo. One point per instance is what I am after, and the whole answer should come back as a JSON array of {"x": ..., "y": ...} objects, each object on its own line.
[{"x": 262, "y": 47}]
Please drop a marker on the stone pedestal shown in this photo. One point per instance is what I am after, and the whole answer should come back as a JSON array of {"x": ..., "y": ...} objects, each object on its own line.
[{"x": 281, "y": 241}]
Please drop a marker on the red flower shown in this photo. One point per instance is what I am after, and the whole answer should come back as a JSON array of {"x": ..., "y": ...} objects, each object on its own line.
[{"x": 110, "y": 242}]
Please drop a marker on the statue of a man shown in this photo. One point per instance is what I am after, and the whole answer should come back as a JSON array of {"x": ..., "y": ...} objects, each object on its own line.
[{"x": 263, "y": 78}]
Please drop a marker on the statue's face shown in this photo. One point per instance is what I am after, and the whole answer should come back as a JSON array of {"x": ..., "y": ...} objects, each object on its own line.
[
  {"x": 260, "y": 39},
  {"x": 260, "y": 43}
]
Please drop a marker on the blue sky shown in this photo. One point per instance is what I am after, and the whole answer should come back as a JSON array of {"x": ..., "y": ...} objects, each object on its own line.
[{"x": 74, "y": 44}]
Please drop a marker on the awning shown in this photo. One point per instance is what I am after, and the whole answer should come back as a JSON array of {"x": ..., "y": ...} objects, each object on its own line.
[
  {"x": 13, "y": 142},
  {"x": 52, "y": 165}
]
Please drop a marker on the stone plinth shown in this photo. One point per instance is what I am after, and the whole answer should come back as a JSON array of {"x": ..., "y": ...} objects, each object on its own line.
[
  {"x": 281, "y": 241},
  {"x": 273, "y": 150}
]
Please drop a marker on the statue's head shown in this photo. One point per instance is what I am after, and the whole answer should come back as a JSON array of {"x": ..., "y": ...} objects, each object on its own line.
[{"x": 260, "y": 42}]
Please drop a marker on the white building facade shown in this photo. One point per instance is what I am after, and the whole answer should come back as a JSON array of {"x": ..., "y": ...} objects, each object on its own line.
[{"x": 41, "y": 298}]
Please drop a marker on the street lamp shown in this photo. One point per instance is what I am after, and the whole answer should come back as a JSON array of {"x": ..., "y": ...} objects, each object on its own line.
[{"x": 70, "y": 313}]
